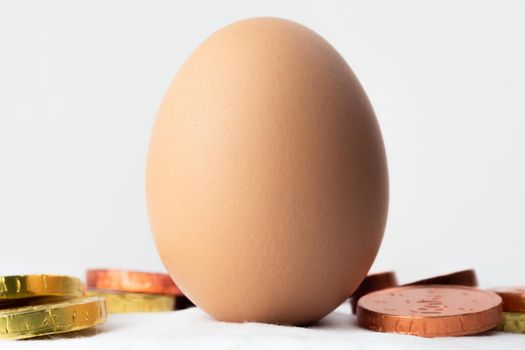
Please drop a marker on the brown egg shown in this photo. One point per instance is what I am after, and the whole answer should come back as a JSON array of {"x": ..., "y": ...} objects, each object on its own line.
[{"x": 267, "y": 181}]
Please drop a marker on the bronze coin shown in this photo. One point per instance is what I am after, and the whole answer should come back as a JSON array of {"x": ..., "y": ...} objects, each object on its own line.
[
  {"x": 371, "y": 283},
  {"x": 131, "y": 281},
  {"x": 430, "y": 311},
  {"x": 513, "y": 298},
  {"x": 461, "y": 278}
]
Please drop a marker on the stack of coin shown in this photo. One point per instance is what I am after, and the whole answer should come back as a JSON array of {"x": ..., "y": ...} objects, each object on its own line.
[
  {"x": 135, "y": 291},
  {"x": 513, "y": 319},
  {"x": 36, "y": 305}
]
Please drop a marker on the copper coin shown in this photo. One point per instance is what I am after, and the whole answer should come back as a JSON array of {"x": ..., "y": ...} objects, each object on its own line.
[
  {"x": 461, "y": 278},
  {"x": 131, "y": 281},
  {"x": 513, "y": 298},
  {"x": 371, "y": 283},
  {"x": 430, "y": 311}
]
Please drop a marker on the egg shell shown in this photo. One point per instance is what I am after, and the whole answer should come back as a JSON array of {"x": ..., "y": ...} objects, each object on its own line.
[{"x": 267, "y": 181}]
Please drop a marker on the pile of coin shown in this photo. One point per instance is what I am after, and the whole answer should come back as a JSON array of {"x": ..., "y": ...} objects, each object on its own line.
[
  {"x": 37, "y": 305},
  {"x": 447, "y": 305},
  {"x": 135, "y": 291},
  {"x": 513, "y": 319}
]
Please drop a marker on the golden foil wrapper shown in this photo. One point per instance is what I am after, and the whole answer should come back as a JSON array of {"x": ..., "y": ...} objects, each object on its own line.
[
  {"x": 513, "y": 322},
  {"x": 31, "y": 286},
  {"x": 66, "y": 316},
  {"x": 135, "y": 302}
]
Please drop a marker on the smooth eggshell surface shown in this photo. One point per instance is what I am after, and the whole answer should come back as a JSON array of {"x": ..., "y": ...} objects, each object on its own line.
[{"x": 267, "y": 181}]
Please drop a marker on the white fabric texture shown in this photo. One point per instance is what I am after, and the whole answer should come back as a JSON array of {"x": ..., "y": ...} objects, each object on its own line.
[{"x": 193, "y": 329}]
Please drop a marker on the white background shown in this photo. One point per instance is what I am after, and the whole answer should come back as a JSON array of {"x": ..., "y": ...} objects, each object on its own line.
[{"x": 80, "y": 84}]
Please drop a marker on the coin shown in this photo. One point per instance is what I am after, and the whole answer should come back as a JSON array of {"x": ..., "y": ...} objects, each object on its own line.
[
  {"x": 13, "y": 303},
  {"x": 118, "y": 302},
  {"x": 371, "y": 283},
  {"x": 29, "y": 286},
  {"x": 132, "y": 282},
  {"x": 513, "y": 298},
  {"x": 52, "y": 318},
  {"x": 513, "y": 322},
  {"x": 430, "y": 311},
  {"x": 462, "y": 278}
]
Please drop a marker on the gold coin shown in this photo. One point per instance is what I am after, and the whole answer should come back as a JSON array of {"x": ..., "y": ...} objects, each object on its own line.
[
  {"x": 59, "y": 317},
  {"x": 513, "y": 322},
  {"x": 30, "y": 286},
  {"x": 135, "y": 302},
  {"x": 14, "y": 303}
]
